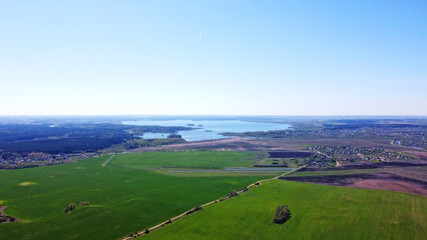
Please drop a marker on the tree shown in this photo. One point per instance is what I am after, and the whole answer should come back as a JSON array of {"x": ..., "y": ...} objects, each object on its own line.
[
  {"x": 282, "y": 214},
  {"x": 70, "y": 207},
  {"x": 233, "y": 194}
]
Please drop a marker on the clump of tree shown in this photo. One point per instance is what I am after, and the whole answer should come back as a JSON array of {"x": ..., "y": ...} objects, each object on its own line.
[
  {"x": 138, "y": 143},
  {"x": 282, "y": 214},
  {"x": 197, "y": 208},
  {"x": 84, "y": 204},
  {"x": 174, "y": 135},
  {"x": 3, "y": 219},
  {"x": 233, "y": 194},
  {"x": 147, "y": 231},
  {"x": 70, "y": 207}
]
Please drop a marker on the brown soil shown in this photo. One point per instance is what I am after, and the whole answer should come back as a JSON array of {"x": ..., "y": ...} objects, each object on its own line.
[
  {"x": 382, "y": 181},
  {"x": 399, "y": 186}
]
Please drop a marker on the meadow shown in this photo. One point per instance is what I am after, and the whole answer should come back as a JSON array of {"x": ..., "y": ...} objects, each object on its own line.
[
  {"x": 186, "y": 159},
  {"x": 317, "y": 212},
  {"x": 125, "y": 195}
]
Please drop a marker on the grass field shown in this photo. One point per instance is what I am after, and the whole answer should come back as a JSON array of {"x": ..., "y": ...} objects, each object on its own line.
[
  {"x": 194, "y": 159},
  {"x": 125, "y": 195},
  {"x": 318, "y": 212}
]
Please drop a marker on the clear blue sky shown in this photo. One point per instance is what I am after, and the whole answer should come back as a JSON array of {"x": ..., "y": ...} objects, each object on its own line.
[{"x": 213, "y": 57}]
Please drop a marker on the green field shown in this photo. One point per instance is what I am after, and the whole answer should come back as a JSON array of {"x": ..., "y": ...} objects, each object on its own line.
[
  {"x": 318, "y": 212},
  {"x": 125, "y": 195},
  {"x": 193, "y": 159}
]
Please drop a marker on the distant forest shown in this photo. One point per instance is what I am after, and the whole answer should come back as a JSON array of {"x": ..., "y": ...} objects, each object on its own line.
[{"x": 70, "y": 138}]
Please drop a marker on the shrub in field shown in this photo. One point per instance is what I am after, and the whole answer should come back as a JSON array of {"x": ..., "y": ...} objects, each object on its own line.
[
  {"x": 84, "y": 204},
  {"x": 233, "y": 194},
  {"x": 3, "y": 219},
  {"x": 147, "y": 231},
  {"x": 282, "y": 214},
  {"x": 70, "y": 207},
  {"x": 197, "y": 208}
]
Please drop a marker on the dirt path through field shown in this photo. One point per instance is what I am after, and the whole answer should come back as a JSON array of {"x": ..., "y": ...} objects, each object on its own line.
[{"x": 108, "y": 160}]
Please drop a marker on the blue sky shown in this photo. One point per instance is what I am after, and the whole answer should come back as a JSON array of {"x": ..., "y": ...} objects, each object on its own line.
[{"x": 213, "y": 57}]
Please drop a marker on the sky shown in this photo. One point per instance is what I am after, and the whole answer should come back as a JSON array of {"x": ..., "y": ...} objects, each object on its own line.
[{"x": 213, "y": 57}]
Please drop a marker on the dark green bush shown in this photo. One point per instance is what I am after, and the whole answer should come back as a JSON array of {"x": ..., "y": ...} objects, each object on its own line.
[
  {"x": 70, "y": 207},
  {"x": 84, "y": 204},
  {"x": 282, "y": 214},
  {"x": 233, "y": 194},
  {"x": 3, "y": 219}
]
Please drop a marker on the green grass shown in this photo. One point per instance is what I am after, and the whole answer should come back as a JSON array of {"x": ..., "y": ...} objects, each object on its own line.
[
  {"x": 199, "y": 159},
  {"x": 332, "y": 172},
  {"x": 167, "y": 162},
  {"x": 318, "y": 212},
  {"x": 169, "y": 171},
  {"x": 124, "y": 196}
]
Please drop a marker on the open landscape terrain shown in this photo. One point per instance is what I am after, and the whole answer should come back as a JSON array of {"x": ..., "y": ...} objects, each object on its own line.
[
  {"x": 213, "y": 120},
  {"x": 317, "y": 212},
  {"x": 224, "y": 188},
  {"x": 125, "y": 195}
]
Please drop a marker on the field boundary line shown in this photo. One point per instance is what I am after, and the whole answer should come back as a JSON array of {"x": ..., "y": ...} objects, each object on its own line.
[
  {"x": 171, "y": 220},
  {"x": 108, "y": 160}
]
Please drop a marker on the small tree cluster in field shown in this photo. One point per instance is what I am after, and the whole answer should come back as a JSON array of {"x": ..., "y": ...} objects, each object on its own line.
[
  {"x": 233, "y": 194},
  {"x": 3, "y": 219},
  {"x": 282, "y": 214},
  {"x": 84, "y": 204},
  {"x": 147, "y": 231},
  {"x": 70, "y": 207},
  {"x": 197, "y": 208}
]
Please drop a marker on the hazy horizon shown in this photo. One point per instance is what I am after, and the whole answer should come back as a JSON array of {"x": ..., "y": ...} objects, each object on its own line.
[{"x": 221, "y": 58}]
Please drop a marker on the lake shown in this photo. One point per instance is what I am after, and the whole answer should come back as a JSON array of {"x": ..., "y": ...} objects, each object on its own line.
[{"x": 208, "y": 129}]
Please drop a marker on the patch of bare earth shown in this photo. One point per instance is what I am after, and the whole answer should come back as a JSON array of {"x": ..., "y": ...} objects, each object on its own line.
[
  {"x": 399, "y": 186},
  {"x": 381, "y": 181}
]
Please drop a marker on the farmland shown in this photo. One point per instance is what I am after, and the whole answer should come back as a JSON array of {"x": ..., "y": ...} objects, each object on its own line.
[
  {"x": 317, "y": 212},
  {"x": 121, "y": 197}
]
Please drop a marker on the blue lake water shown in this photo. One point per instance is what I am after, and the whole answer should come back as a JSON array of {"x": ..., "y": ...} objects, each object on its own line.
[
  {"x": 210, "y": 129},
  {"x": 151, "y": 135}
]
